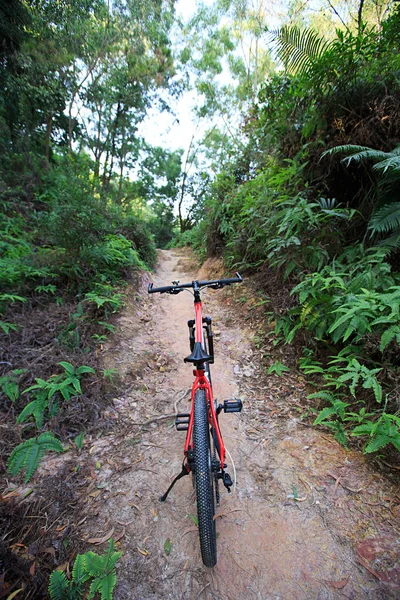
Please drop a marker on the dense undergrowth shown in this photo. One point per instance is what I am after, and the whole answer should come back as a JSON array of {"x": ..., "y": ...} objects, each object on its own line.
[
  {"x": 75, "y": 226},
  {"x": 327, "y": 229}
]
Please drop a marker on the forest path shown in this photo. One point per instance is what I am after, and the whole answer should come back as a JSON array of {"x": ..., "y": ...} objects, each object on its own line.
[{"x": 336, "y": 540}]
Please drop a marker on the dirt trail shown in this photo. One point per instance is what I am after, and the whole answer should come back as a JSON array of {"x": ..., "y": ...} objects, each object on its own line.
[{"x": 336, "y": 540}]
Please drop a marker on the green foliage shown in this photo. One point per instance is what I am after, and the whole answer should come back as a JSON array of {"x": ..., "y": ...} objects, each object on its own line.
[
  {"x": 385, "y": 220},
  {"x": 347, "y": 375},
  {"x": 336, "y": 301},
  {"x": 105, "y": 297},
  {"x": 28, "y": 455},
  {"x": 299, "y": 48},
  {"x": 7, "y": 327},
  {"x": 9, "y": 384},
  {"x": 381, "y": 433},
  {"x": 48, "y": 393},
  {"x": 195, "y": 238},
  {"x": 278, "y": 368},
  {"x": 79, "y": 440},
  {"x": 91, "y": 574}
]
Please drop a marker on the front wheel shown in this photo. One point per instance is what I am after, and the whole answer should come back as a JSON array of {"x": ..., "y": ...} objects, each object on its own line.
[{"x": 204, "y": 481}]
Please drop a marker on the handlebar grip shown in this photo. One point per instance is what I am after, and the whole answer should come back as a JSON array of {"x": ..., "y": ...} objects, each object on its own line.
[
  {"x": 153, "y": 290},
  {"x": 237, "y": 279}
]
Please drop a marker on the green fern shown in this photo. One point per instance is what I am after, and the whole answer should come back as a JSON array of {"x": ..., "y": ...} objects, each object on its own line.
[
  {"x": 27, "y": 456},
  {"x": 9, "y": 384},
  {"x": 384, "y": 431},
  {"x": 99, "y": 570},
  {"x": 47, "y": 392},
  {"x": 59, "y": 587},
  {"x": 7, "y": 327},
  {"x": 35, "y": 409}
]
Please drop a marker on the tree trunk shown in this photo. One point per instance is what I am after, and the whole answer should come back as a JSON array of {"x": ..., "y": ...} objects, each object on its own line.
[
  {"x": 359, "y": 19},
  {"x": 49, "y": 126}
]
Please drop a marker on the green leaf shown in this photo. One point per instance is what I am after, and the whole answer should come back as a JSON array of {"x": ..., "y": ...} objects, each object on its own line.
[
  {"x": 79, "y": 440},
  {"x": 84, "y": 369},
  {"x": 376, "y": 443},
  {"x": 167, "y": 546},
  {"x": 387, "y": 336},
  {"x": 278, "y": 368},
  {"x": 7, "y": 327},
  {"x": 324, "y": 414},
  {"x": 70, "y": 369},
  {"x": 107, "y": 586},
  {"x": 58, "y": 586},
  {"x": 79, "y": 571},
  {"x": 194, "y": 519},
  {"x": 29, "y": 454}
]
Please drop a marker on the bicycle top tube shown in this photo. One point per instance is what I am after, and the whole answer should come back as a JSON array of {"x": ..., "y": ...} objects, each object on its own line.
[{"x": 216, "y": 284}]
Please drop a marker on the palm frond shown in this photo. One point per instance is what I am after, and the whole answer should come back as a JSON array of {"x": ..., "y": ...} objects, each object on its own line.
[
  {"x": 299, "y": 48},
  {"x": 390, "y": 163},
  {"x": 385, "y": 219},
  {"x": 392, "y": 242},
  {"x": 386, "y": 160},
  {"x": 356, "y": 153}
]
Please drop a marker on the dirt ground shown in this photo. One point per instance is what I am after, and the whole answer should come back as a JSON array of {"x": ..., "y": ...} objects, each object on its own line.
[{"x": 308, "y": 520}]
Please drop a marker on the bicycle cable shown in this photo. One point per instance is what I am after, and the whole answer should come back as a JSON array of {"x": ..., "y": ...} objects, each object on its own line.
[{"x": 234, "y": 468}]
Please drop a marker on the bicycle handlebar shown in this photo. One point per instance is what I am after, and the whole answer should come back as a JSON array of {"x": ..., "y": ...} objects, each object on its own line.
[{"x": 175, "y": 289}]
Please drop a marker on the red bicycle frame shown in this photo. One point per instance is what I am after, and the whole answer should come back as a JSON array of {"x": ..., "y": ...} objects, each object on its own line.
[
  {"x": 202, "y": 382},
  {"x": 200, "y": 358}
]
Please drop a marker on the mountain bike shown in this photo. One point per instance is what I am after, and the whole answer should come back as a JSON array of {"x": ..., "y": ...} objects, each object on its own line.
[{"x": 204, "y": 449}]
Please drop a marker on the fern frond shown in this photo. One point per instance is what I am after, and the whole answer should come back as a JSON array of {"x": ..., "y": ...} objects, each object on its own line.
[
  {"x": 58, "y": 586},
  {"x": 107, "y": 586},
  {"x": 377, "y": 442},
  {"x": 29, "y": 454},
  {"x": 36, "y": 409},
  {"x": 94, "y": 564},
  {"x": 79, "y": 571}
]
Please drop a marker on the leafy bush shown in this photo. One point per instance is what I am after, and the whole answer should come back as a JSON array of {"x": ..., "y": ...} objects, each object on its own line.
[{"x": 195, "y": 238}]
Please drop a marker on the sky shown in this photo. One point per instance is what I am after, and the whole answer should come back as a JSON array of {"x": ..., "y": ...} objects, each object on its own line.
[{"x": 174, "y": 131}]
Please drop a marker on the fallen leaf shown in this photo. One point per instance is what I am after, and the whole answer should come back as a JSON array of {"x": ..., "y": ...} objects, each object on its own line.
[
  {"x": 50, "y": 550},
  {"x": 167, "y": 546},
  {"x": 219, "y": 515},
  {"x": 32, "y": 568},
  {"x": 144, "y": 552},
  {"x": 63, "y": 567},
  {"x": 95, "y": 493},
  {"x": 101, "y": 540},
  {"x": 189, "y": 530},
  {"x": 11, "y": 596},
  {"x": 338, "y": 585}
]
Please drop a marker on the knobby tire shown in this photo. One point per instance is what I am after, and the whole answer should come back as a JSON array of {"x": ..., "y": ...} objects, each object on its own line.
[{"x": 204, "y": 481}]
